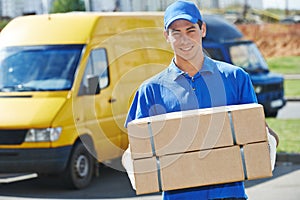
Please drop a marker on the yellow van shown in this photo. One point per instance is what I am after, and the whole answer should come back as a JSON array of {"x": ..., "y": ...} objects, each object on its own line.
[{"x": 65, "y": 86}]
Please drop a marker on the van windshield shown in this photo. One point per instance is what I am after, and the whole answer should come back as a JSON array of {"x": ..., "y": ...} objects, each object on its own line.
[
  {"x": 247, "y": 56},
  {"x": 38, "y": 68}
]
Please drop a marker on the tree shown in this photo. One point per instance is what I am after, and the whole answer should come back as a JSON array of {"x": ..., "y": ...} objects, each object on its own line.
[{"x": 60, "y": 6}]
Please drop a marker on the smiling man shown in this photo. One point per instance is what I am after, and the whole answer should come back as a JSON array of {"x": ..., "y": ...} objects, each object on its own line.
[{"x": 192, "y": 81}]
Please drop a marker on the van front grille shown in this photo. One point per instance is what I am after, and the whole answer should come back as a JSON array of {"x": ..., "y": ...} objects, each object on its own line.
[
  {"x": 12, "y": 137},
  {"x": 273, "y": 87}
]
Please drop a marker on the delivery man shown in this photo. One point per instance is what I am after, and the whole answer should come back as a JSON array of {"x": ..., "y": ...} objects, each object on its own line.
[{"x": 192, "y": 81}]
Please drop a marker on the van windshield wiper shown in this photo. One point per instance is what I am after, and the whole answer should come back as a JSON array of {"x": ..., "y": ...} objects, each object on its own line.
[{"x": 19, "y": 88}]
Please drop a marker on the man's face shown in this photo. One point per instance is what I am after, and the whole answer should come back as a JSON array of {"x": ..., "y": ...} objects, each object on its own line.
[{"x": 185, "y": 39}]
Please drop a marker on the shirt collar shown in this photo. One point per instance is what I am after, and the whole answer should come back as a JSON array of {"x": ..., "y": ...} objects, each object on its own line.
[{"x": 175, "y": 72}]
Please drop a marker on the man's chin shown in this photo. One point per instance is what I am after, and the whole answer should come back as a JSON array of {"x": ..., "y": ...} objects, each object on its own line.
[{"x": 186, "y": 57}]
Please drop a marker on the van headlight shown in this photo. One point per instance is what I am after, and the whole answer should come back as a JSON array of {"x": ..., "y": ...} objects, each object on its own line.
[
  {"x": 257, "y": 89},
  {"x": 43, "y": 135}
]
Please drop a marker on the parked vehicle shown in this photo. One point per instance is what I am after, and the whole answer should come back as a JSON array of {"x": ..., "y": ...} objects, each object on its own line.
[
  {"x": 65, "y": 85},
  {"x": 225, "y": 42}
]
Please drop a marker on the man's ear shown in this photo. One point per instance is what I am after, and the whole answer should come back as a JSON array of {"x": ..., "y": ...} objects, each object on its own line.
[
  {"x": 203, "y": 29},
  {"x": 166, "y": 36}
]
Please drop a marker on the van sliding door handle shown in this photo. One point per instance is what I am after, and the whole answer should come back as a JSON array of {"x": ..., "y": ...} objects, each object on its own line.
[{"x": 111, "y": 100}]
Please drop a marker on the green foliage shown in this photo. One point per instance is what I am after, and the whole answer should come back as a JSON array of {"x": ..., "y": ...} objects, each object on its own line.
[
  {"x": 285, "y": 65},
  {"x": 282, "y": 12},
  {"x": 61, "y": 6},
  {"x": 291, "y": 87},
  {"x": 287, "y": 129},
  {"x": 3, "y": 23},
  {"x": 288, "y": 132},
  {"x": 279, "y": 12}
]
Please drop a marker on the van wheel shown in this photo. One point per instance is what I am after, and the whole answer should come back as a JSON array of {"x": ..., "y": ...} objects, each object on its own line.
[{"x": 81, "y": 166}]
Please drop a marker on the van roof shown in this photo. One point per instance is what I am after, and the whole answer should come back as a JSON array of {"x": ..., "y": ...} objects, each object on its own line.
[
  {"x": 73, "y": 27},
  {"x": 220, "y": 30}
]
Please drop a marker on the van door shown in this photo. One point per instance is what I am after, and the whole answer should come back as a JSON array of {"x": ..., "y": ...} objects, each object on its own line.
[{"x": 95, "y": 92}]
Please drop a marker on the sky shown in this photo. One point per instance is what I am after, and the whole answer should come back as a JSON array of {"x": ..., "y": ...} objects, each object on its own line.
[{"x": 292, "y": 4}]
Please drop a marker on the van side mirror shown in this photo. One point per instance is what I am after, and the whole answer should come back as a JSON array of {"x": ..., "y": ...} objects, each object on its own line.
[{"x": 93, "y": 85}]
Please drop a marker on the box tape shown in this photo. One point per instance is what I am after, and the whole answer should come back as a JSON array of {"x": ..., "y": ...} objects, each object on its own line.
[
  {"x": 235, "y": 143},
  {"x": 156, "y": 157}
]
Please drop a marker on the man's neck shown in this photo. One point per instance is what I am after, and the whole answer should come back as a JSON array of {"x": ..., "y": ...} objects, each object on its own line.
[{"x": 191, "y": 67}]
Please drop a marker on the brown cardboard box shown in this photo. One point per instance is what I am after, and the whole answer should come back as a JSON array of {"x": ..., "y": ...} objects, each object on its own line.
[
  {"x": 200, "y": 168},
  {"x": 258, "y": 161},
  {"x": 199, "y": 147},
  {"x": 194, "y": 130},
  {"x": 249, "y": 123}
]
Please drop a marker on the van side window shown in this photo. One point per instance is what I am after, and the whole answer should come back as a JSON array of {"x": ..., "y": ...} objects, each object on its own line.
[
  {"x": 215, "y": 53},
  {"x": 97, "y": 66}
]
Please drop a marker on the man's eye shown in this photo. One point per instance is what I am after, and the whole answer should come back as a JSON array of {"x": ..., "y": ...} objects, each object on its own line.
[{"x": 175, "y": 34}]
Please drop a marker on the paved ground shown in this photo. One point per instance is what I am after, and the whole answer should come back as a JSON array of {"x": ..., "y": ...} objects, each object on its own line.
[
  {"x": 291, "y": 76},
  {"x": 284, "y": 185},
  {"x": 290, "y": 111}
]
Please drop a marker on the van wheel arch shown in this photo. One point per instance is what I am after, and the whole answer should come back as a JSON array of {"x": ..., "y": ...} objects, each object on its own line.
[{"x": 82, "y": 164}]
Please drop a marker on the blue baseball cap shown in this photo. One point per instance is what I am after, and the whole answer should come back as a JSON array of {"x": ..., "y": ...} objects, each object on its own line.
[{"x": 181, "y": 9}]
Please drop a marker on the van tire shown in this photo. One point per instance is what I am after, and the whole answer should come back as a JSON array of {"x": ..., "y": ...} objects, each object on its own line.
[{"x": 80, "y": 169}]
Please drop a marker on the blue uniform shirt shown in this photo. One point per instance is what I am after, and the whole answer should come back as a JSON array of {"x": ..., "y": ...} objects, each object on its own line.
[{"x": 216, "y": 84}]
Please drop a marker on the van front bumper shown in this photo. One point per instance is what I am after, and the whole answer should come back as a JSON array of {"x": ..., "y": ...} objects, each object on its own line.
[
  {"x": 48, "y": 161},
  {"x": 274, "y": 105}
]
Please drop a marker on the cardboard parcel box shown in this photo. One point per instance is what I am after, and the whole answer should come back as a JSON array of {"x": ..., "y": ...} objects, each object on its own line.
[{"x": 199, "y": 147}]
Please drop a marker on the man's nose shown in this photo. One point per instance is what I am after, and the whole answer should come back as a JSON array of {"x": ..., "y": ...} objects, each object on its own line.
[{"x": 184, "y": 38}]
